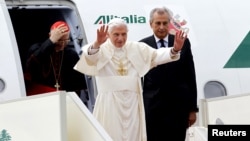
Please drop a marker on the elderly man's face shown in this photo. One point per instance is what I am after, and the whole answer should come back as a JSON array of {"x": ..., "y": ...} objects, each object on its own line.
[
  {"x": 118, "y": 36},
  {"x": 160, "y": 25}
]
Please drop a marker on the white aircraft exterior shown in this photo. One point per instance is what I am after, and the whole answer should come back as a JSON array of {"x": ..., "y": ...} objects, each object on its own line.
[{"x": 218, "y": 31}]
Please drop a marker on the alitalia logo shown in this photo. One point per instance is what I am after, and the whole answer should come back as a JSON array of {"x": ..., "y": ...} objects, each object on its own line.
[
  {"x": 241, "y": 56},
  {"x": 130, "y": 19}
]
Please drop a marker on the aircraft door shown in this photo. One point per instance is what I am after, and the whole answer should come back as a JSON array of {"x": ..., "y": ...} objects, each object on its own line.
[{"x": 11, "y": 78}]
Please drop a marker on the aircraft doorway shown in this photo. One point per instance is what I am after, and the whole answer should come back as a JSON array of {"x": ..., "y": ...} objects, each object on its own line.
[{"x": 31, "y": 21}]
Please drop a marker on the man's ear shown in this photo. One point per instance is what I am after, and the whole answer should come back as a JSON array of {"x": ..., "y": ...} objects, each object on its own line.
[{"x": 150, "y": 23}]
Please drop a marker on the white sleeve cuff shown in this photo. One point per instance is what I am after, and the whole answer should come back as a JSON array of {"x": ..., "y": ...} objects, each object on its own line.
[{"x": 92, "y": 50}]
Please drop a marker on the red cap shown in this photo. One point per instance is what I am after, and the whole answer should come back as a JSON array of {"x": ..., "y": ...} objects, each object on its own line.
[{"x": 56, "y": 24}]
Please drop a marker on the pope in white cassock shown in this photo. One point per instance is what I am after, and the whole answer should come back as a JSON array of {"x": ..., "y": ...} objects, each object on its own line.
[{"x": 118, "y": 66}]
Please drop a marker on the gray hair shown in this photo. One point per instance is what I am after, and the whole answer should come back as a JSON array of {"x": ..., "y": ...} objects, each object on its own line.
[
  {"x": 115, "y": 23},
  {"x": 160, "y": 11}
]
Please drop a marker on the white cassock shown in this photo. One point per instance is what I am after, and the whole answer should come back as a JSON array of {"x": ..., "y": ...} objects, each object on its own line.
[{"x": 119, "y": 104}]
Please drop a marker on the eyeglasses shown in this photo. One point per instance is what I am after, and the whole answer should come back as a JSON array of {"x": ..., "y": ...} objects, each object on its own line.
[{"x": 63, "y": 41}]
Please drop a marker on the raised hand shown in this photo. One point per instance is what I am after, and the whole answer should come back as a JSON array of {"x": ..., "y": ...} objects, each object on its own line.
[
  {"x": 101, "y": 36},
  {"x": 179, "y": 40},
  {"x": 57, "y": 33}
]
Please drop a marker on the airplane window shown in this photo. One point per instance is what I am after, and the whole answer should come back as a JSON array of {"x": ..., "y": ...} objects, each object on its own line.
[
  {"x": 214, "y": 89},
  {"x": 2, "y": 85}
]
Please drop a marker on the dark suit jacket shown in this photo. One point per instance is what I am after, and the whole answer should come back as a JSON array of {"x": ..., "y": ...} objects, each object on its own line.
[{"x": 170, "y": 91}]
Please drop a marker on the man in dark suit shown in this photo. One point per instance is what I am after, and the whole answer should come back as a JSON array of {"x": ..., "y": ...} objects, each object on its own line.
[{"x": 169, "y": 90}]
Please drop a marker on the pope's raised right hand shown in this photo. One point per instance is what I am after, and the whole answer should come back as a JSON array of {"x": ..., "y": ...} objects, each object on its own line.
[{"x": 101, "y": 36}]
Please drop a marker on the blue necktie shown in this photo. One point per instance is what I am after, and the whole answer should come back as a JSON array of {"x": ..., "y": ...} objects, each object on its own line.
[{"x": 162, "y": 43}]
